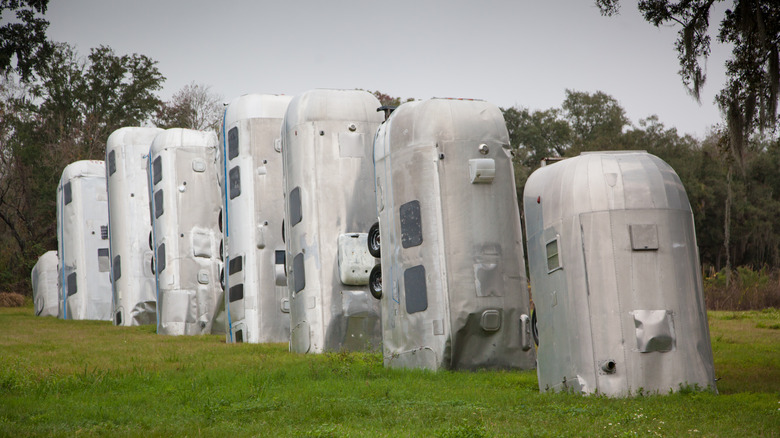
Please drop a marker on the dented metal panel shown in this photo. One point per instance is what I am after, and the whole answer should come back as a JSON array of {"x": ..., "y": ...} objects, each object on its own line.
[
  {"x": 134, "y": 294},
  {"x": 44, "y": 284},
  {"x": 82, "y": 234},
  {"x": 623, "y": 310},
  {"x": 454, "y": 288},
  {"x": 185, "y": 232},
  {"x": 253, "y": 204},
  {"x": 326, "y": 144}
]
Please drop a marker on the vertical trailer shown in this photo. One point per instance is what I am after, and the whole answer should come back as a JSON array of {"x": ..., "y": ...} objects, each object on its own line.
[
  {"x": 82, "y": 235},
  {"x": 185, "y": 205},
  {"x": 329, "y": 206},
  {"x": 44, "y": 284},
  {"x": 615, "y": 277},
  {"x": 129, "y": 230},
  {"x": 454, "y": 292},
  {"x": 253, "y": 198}
]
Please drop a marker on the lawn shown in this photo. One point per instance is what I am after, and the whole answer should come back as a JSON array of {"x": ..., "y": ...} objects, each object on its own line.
[{"x": 86, "y": 378}]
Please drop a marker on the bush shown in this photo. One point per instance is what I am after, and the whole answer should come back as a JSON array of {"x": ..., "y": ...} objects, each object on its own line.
[{"x": 747, "y": 289}]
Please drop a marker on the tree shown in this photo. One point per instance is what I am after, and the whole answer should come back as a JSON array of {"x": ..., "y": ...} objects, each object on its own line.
[
  {"x": 63, "y": 115},
  {"x": 195, "y": 106},
  {"x": 24, "y": 41},
  {"x": 597, "y": 120},
  {"x": 536, "y": 135},
  {"x": 750, "y": 95}
]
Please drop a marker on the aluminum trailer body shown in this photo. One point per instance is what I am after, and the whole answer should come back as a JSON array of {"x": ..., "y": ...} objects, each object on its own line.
[
  {"x": 327, "y": 140},
  {"x": 82, "y": 235},
  {"x": 44, "y": 285},
  {"x": 129, "y": 229},
  {"x": 615, "y": 277},
  {"x": 258, "y": 303},
  {"x": 455, "y": 293},
  {"x": 185, "y": 205}
]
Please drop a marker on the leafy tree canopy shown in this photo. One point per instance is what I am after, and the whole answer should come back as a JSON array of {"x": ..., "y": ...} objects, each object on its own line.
[{"x": 23, "y": 43}]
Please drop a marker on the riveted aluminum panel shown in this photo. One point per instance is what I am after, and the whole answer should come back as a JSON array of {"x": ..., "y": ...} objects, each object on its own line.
[
  {"x": 80, "y": 223},
  {"x": 326, "y": 144},
  {"x": 134, "y": 294},
  {"x": 253, "y": 202},
  {"x": 44, "y": 284},
  {"x": 186, "y": 235},
  {"x": 455, "y": 290},
  {"x": 625, "y": 309}
]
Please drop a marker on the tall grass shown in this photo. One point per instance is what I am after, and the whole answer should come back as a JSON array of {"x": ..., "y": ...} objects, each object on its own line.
[
  {"x": 744, "y": 289},
  {"x": 84, "y": 378}
]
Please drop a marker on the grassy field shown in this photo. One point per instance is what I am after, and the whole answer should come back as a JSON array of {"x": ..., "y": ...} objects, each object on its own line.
[{"x": 85, "y": 378}]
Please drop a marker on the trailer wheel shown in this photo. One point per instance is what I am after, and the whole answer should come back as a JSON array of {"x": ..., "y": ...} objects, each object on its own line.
[
  {"x": 151, "y": 247},
  {"x": 534, "y": 330},
  {"x": 219, "y": 221},
  {"x": 375, "y": 282},
  {"x": 222, "y": 250},
  {"x": 374, "y": 242}
]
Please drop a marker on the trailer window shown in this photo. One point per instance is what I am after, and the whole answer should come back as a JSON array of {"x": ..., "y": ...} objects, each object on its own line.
[
  {"x": 67, "y": 193},
  {"x": 236, "y": 293},
  {"x": 236, "y": 264},
  {"x": 72, "y": 286},
  {"x": 232, "y": 143},
  {"x": 111, "y": 162},
  {"x": 296, "y": 215},
  {"x": 158, "y": 203},
  {"x": 104, "y": 260},
  {"x": 157, "y": 170},
  {"x": 160, "y": 259},
  {"x": 553, "y": 259},
  {"x": 117, "y": 267},
  {"x": 415, "y": 289},
  {"x": 299, "y": 274},
  {"x": 235, "y": 182},
  {"x": 411, "y": 224}
]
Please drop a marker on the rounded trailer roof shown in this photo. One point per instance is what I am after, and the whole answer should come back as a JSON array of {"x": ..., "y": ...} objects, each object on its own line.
[
  {"x": 599, "y": 181},
  {"x": 256, "y": 106},
  {"x": 324, "y": 104},
  {"x": 132, "y": 136},
  {"x": 446, "y": 120},
  {"x": 180, "y": 137},
  {"x": 84, "y": 168}
]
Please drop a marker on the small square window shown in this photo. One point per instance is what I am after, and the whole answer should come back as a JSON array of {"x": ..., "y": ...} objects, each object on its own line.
[
  {"x": 553, "y": 258},
  {"x": 157, "y": 170}
]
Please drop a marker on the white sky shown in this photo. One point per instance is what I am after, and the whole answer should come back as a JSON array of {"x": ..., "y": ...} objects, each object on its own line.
[{"x": 508, "y": 52}]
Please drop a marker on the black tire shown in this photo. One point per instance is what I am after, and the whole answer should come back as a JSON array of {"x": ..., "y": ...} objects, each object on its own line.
[
  {"x": 222, "y": 250},
  {"x": 151, "y": 247},
  {"x": 534, "y": 329},
  {"x": 375, "y": 282},
  {"x": 374, "y": 242},
  {"x": 219, "y": 221}
]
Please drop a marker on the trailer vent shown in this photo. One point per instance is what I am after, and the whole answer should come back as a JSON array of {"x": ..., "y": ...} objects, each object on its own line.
[{"x": 104, "y": 232}]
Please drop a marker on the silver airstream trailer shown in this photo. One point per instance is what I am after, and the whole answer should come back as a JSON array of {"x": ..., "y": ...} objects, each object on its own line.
[
  {"x": 82, "y": 235},
  {"x": 44, "y": 284},
  {"x": 129, "y": 230},
  {"x": 615, "y": 277},
  {"x": 454, "y": 292},
  {"x": 326, "y": 145},
  {"x": 185, "y": 204},
  {"x": 251, "y": 163}
]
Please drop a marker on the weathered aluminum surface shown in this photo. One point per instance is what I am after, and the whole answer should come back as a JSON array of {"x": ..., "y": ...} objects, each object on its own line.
[
  {"x": 82, "y": 234},
  {"x": 44, "y": 284},
  {"x": 455, "y": 292},
  {"x": 615, "y": 277},
  {"x": 129, "y": 230},
  {"x": 258, "y": 302},
  {"x": 185, "y": 204},
  {"x": 326, "y": 145}
]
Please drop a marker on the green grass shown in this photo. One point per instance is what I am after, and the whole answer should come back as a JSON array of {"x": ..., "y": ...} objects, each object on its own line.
[{"x": 83, "y": 378}]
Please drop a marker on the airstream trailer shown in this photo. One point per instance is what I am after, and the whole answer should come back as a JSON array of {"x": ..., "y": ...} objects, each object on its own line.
[
  {"x": 329, "y": 206},
  {"x": 82, "y": 235},
  {"x": 185, "y": 204},
  {"x": 44, "y": 284},
  {"x": 615, "y": 277},
  {"x": 129, "y": 231},
  {"x": 454, "y": 292},
  {"x": 251, "y": 163}
]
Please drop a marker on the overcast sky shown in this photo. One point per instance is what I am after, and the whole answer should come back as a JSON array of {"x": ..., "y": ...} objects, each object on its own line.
[{"x": 508, "y": 52}]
